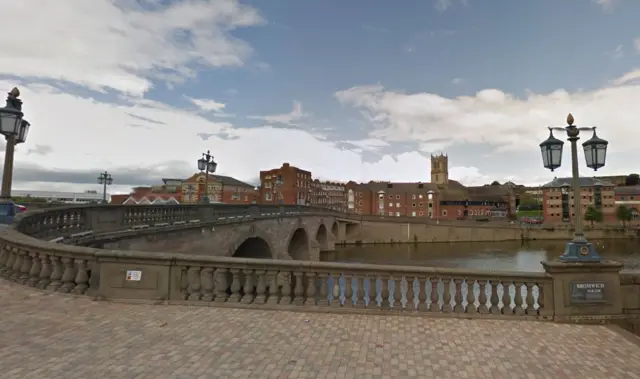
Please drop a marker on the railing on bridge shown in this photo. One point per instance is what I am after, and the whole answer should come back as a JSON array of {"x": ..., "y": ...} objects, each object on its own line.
[{"x": 203, "y": 280}]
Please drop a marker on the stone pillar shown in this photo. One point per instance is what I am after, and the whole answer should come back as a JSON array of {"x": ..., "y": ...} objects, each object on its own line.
[{"x": 585, "y": 292}]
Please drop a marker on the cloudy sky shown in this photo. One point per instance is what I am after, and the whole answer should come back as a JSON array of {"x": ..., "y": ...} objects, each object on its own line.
[{"x": 350, "y": 90}]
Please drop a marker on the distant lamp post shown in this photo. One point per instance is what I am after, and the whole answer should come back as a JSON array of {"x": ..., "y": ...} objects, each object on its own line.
[
  {"x": 106, "y": 180},
  {"x": 595, "y": 151},
  {"x": 208, "y": 165},
  {"x": 15, "y": 130}
]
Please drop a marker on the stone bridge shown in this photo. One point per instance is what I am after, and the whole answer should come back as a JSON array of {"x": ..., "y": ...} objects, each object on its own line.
[{"x": 300, "y": 237}]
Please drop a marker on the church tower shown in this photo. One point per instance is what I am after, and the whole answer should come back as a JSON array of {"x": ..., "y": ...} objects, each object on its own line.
[{"x": 440, "y": 169}]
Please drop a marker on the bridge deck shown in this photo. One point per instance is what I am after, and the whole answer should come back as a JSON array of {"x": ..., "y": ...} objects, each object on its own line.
[{"x": 51, "y": 336}]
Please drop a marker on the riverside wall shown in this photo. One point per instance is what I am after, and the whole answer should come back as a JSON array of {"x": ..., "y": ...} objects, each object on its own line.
[{"x": 379, "y": 232}]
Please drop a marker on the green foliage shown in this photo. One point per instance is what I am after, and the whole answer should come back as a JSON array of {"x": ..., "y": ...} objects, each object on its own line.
[
  {"x": 624, "y": 214},
  {"x": 593, "y": 214},
  {"x": 528, "y": 213},
  {"x": 632, "y": 180}
]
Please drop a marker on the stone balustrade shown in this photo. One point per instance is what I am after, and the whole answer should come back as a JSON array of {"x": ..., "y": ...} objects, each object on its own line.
[{"x": 27, "y": 257}]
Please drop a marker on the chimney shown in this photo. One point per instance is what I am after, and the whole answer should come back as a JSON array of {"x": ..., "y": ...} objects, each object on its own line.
[{"x": 285, "y": 165}]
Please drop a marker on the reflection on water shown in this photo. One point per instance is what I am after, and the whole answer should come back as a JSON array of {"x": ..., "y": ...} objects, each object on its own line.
[{"x": 506, "y": 256}]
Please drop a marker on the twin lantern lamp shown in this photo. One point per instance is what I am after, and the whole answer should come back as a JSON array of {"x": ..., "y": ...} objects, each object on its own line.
[{"x": 578, "y": 250}]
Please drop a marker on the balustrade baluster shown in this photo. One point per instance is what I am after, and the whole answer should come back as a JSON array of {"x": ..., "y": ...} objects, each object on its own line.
[
  {"x": 482, "y": 297},
  {"x": 221, "y": 284},
  {"x": 358, "y": 297},
  {"x": 311, "y": 289},
  {"x": 348, "y": 291},
  {"x": 335, "y": 291},
  {"x": 274, "y": 287},
  {"x": 193, "y": 273},
  {"x": 530, "y": 301},
  {"x": 458, "y": 308},
  {"x": 446, "y": 295},
  {"x": 435, "y": 297},
  {"x": 34, "y": 273},
  {"x": 17, "y": 266},
  {"x": 519, "y": 310},
  {"x": 249, "y": 287},
  {"x": 45, "y": 271},
  {"x": 506, "y": 298},
  {"x": 25, "y": 269},
  {"x": 206, "y": 281},
  {"x": 284, "y": 278},
  {"x": 184, "y": 283},
  {"x": 471, "y": 297},
  {"x": 411, "y": 304},
  {"x": 542, "y": 311},
  {"x": 423, "y": 283},
  {"x": 4, "y": 257},
  {"x": 82, "y": 277},
  {"x": 68, "y": 275},
  {"x": 378, "y": 288},
  {"x": 261, "y": 287},
  {"x": 56, "y": 275},
  {"x": 298, "y": 290},
  {"x": 495, "y": 300},
  {"x": 11, "y": 261},
  {"x": 236, "y": 285},
  {"x": 400, "y": 292},
  {"x": 385, "y": 293}
]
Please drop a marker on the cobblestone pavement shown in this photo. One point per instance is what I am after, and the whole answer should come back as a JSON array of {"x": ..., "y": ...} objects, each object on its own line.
[{"x": 54, "y": 336}]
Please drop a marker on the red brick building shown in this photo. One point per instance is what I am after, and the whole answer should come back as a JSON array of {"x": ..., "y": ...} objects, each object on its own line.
[
  {"x": 440, "y": 199},
  {"x": 629, "y": 196},
  {"x": 286, "y": 185},
  {"x": 558, "y": 199},
  {"x": 330, "y": 195}
]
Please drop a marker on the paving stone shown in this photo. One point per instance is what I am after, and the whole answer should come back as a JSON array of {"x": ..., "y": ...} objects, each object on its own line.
[{"x": 56, "y": 336}]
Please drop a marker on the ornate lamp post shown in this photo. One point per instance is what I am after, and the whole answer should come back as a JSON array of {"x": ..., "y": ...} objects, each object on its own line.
[
  {"x": 106, "y": 180},
  {"x": 208, "y": 165},
  {"x": 15, "y": 130},
  {"x": 595, "y": 152}
]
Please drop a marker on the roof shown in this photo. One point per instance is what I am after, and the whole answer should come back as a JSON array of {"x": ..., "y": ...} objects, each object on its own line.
[
  {"x": 225, "y": 180},
  {"x": 395, "y": 187},
  {"x": 584, "y": 182},
  {"x": 627, "y": 190}
]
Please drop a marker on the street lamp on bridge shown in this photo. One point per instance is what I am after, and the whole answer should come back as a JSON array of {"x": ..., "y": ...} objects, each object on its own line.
[
  {"x": 208, "y": 165},
  {"x": 595, "y": 152},
  {"x": 106, "y": 180},
  {"x": 15, "y": 130}
]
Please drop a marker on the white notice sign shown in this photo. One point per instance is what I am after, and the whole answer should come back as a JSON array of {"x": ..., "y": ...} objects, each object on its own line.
[{"x": 135, "y": 276}]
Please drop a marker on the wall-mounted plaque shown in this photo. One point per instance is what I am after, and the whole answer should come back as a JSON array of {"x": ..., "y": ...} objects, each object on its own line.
[{"x": 587, "y": 292}]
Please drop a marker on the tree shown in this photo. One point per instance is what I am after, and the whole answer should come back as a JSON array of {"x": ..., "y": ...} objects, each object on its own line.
[
  {"x": 624, "y": 214},
  {"x": 593, "y": 214},
  {"x": 632, "y": 180},
  {"x": 495, "y": 183}
]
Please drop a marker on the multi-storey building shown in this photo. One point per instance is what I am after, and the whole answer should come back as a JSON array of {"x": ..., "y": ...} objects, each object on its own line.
[
  {"x": 629, "y": 196},
  {"x": 558, "y": 199},
  {"x": 441, "y": 199},
  {"x": 223, "y": 189},
  {"x": 329, "y": 195},
  {"x": 286, "y": 185}
]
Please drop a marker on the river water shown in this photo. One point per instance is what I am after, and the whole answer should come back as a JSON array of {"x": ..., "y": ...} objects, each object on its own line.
[{"x": 503, "y": 256}]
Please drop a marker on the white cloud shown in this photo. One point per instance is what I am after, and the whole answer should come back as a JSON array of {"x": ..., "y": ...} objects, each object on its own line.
[
  {"x": 607, "y": 5},
  {"x": 628, "y": 78},
  {"x": 457, "y": 81},
  {"x": 207, "y": 105},
  {"x": 502, "y": 120},
  {"x": 617, "y": 53},
  {"x": 292, "y": 118},
  {"x": 117, "y": 44}
]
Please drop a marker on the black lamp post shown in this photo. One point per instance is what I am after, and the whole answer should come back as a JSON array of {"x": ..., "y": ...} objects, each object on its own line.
[
  {"x": 595, "y": 152},
  {"x": 106, "y": 180},
  {"x": 15, "y": 130},
  {"x": 208, "y": 165}
]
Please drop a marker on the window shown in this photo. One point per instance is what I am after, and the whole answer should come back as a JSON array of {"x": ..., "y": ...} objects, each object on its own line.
[
  {"x": 390, "y": 205},
  {"x": 420, "y": 196},
  {"x": 420, "y": 213},
  {"x": 420, "y": 204},
  {"x": 390, "y": 196},
  {"x": 359, "y": 202},
  {"x": 398, "y": 197},
  {"x": 381, "y": 196},
  {"x": 235, "y": 196},
  {"x": 397, "y": 214},
  {"x": 414, "y": 205},
  {"x": 397, "y": 205},
  {"x": 267, "y": 196},
  {"x": 413, "y": 197},
  {"x": 390, "y": 213},
  {"x": 444, "y": 212},
  {"x": 413, "y": 214}
]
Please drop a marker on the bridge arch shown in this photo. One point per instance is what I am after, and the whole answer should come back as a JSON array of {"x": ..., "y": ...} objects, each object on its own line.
[
  {"x": 335, "y": 229},
  {"x": 322, "y": 236},
  {"x": 254, "y": 240},
  {"x": 298, "y": 247},
  {"x": 253, "y": 247}
]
